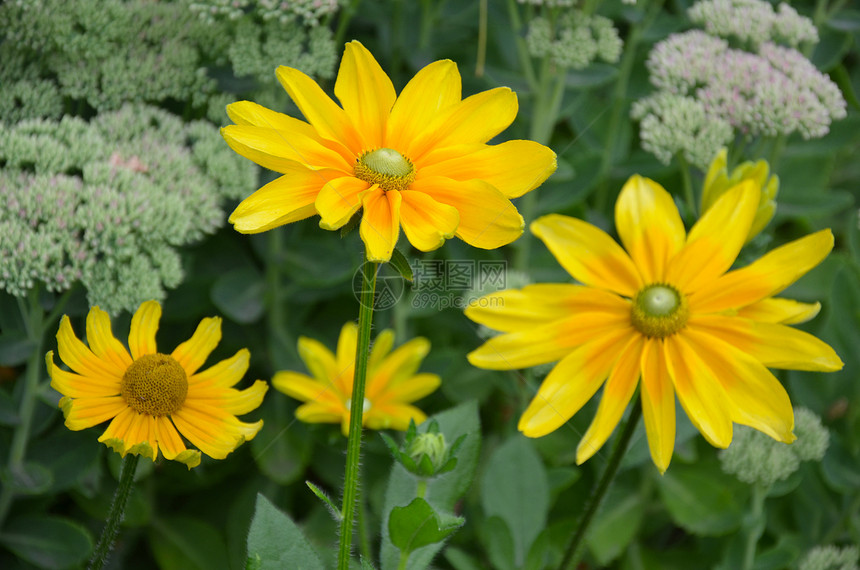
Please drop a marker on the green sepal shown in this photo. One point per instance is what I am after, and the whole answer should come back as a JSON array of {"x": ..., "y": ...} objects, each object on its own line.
[{"x": 399, "y": 262}]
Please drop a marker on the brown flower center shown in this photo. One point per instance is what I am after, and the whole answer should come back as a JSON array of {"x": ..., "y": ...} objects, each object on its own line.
[
  {"x": 155, "y": 385},
  {"x": 659, "y": 311},
  {"x": 385, "y": 167}
]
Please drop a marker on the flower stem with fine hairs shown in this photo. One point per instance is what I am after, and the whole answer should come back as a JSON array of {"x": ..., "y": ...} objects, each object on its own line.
[
  {"x": 117, "y": 510},
  {"x": 571, "y": 558},
  {"x": 356, "y": 410}
]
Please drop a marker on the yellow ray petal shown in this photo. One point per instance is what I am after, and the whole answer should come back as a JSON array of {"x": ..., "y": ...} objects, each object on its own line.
[
  {"x": 778, "y": 310},
  {"x": 546, "y": 343},
  {"x": 77, "y": 386},
  {"x": 513, "y": 167},
  {"x": 230, "y": 400},
  {"x": 347, "y": 342},
  {"x": 192, "y": 353},
  {"x": 538, "y": 304},
  {"x": 588, "y": 254},
  {"x": 487, "y": 219},
  {"x": 426, "y": 222},
  {"x": 616, "y": 395},
  {"x": 436, "y": 87},
  {"x": 765, "y": 277},
  {"x": 569, "y": 385},
  {"x": 380, "y": 223},
  {"x": 414, "y": 388},
  {"x": 701, "y": 395},
  {"x": 223, "y": 374},
  {"x": 80, "y": 358},
  {"x": 649, "y": 226},
  {"x": 396, "y": 416},
  {"x": 715, "y": 241},
  {"x": 338, "y": 200},
  {"x": 475, "y": 119},
  {"x": 755, "y": 396},
  {"x": 319, "y": 359},
  {"x": 305, "y": 388},
  {"x": 144, "y": 325},
  {"x": 211, "y": 430},
  {"x": 658, "y": 404},
  {"x": 283, "y": 151},
  {"x": 168, "y": 439},
  {"x": 380, "y": 348},
  {"x": 774, "y": 345},
  {"x": 399, "y": 366},
  {"x": 321, "y": 413},
  {"x": 102, "y": 342},
  {"x": 81, "y": 413},
  {"x": 254, "y": 115},
  {"x": 365, "y": 92},
  {"x": 329, "y": 120},
  {"x": 118, "y": 428}
]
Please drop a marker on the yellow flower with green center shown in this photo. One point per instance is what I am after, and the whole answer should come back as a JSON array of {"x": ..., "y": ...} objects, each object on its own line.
[
  {"x": 392, "y": 382},
  {"x": 417, "y": 161},
  {"x": 151, "y": 397},
  {"x": 667, "y": 315}
]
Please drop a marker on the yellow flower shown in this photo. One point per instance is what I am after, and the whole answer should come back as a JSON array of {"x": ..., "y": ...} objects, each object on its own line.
[
  {"x": 417, "y": 160},
  {"x": 718, "y": 181},
  {"x": 392, "y": 384},
  {"x": 668, "y": 311},
  {"x": 149, "y": 395}
]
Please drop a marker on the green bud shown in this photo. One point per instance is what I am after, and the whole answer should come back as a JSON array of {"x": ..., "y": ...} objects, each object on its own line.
[{"x": 425, "y": 454}]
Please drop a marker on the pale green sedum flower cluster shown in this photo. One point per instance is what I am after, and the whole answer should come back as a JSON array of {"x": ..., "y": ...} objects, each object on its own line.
[
  {"x": 831, "y": 558},
  {"x": 576, "y": 40}
]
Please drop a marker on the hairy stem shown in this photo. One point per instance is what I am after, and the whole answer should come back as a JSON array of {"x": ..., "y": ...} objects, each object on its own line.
[{"x": 117, "y": 510}]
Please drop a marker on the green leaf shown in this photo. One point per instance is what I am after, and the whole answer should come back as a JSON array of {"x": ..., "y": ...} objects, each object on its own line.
[
  {"x": 399, "y": 262},
  {"x": 702, "y": 499},
  {"x": 8, "y": 410},
  {"x": 840, "y": 468},
  {"x": 418, "y": 524},
  {"x": 67, "y": 455},
  {"x": 47, "y": 541},
  {"x": 845, "y": 21},
  {"x": 186, "y": 543},
  {"x": 15, "y": 348},
  {"x": 239, "y": 295},
  {"x": 616, "y": 524},
  {"x": 498, "y": 543},
  {"x": 515, "y": 488},
  {"x": 275, "y": 542},
  {"x": 460, "y": 560},
  {"x": 28, "y": 479}
]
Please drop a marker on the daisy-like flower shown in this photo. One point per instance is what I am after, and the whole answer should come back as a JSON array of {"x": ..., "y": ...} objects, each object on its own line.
[
  {"x": 417, "y": 161},
  {"x": 150, "y": 397},
  {"x": 392, "y": 382},
  {"x": 667, "y": 311}
]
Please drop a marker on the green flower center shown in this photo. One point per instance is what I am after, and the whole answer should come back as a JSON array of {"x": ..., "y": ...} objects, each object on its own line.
[
  {"x": 659, "y": 311},
  {"x": 385, "y": 167},
  {"x": 155, "y": 385}
]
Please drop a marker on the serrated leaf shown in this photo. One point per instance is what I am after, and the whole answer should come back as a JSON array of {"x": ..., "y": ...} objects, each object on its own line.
[
  {"x": 47, "y": 541},
  {"x": 418, "y": 524},
  {"x": 275, "y": 542}
]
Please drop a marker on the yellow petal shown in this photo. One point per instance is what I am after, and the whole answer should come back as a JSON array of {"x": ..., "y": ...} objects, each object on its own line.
[
  {"x": 338, "y": 200},
  {"x": 286, "y": 199},
  {"x": 316, "y": 412},
  {"x": 755, "y": 396},
  {"x": 414, "y": 388},
  {"x": 82, "y": 413},
  {"x": 77, "y": 386},
  {"x": 569, "y": 385},
  {"x": 80, "y": 358},
  {"x": 168, "y": 439},
  {"x": 283, "y": 151},
  {"x": 144, "y": 325},
  {"x": 329, "y": 120},
  {"x": 765, "y": 277},
  {"x": 475, "y": 119},
  {"x": 192, "y": 353},
  {"x": 319, "y": 359},
  {"x": 303, "y": 387},
  {"x": 546, "y": 343},
  {"x": 588, "y": 254},
  {"x": 436, "y": 87},
  {"x": 701, "y": 395},
  {"x": 214, "y": 431},
  {"x": 254, "y": 115},
  {"x": 778, "y": 310},
  {"x": 616, "y": 395},
  {"x": 395, "y": 416},
  {"x": 365, "y": 92},
  {"x": 399, "y": 367},
  {"x": 426, "y": 222},
  {"x": 487, "y": 219},
  {"x": 658, "y": 404},
  {"x": 539, "y": 304},
  {"x": 774, "y": 345},
  {"x": 102, "y": 342},
  {"x": 380, "y": 348},
  {"x": 347, "y": 344},
  {"x": 649, "y": 226},
  {"x": 236, "y": 402},
  {"x": 223, "y": 374},
  {"x": 380, "y": 223},
  {"x": 513, "y": 167},
  {"x": 715, "y": 240}
]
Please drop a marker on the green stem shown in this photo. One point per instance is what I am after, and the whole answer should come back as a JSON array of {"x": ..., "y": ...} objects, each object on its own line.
[
  {"x": 421, "y": 492},
  {"x": 522, "y": 49},
  {"x": 353, "y": 451},
  {"x": 404, "y": 558},
  {"x": 482, "y": 38},
  {"x": 755, "y": 525},
  {"x": 776, "y": 152},
  {"x": 117, "y": 509},
  {"x": 346, "y": 15},
  {"x": 571, "y": 558}
]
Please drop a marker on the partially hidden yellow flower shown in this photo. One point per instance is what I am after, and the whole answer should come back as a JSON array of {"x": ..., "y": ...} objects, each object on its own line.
[
  {"x": 417, "y": 161},
  {"x": 666, "y": 315},
  {"x": 392, "y": 382},
  {"x": 719, "y": 180},
  {"x": 151, "y": 397}
]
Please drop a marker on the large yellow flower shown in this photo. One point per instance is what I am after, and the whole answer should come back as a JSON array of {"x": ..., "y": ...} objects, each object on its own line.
[
  {"x": 668, "y": 311},
  {"x": 392, "y": 382},
  {"x": 149, "y": 395},
  {"x": 417, "y": 160}
]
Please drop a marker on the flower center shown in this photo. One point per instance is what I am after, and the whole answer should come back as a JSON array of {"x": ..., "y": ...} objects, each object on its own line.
[
  {"x": 659, "y": 311},
  {"x": 155, "y": 385},
  {"x": 385, "y": 167}
]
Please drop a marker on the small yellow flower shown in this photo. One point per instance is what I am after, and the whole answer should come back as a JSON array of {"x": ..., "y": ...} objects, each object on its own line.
[
  {"x": 392, "y": 382},
  {"x": 417, "y": 161},
  {"x": 149, "y": 395},
  {"x": 666, "y": 310},
  {"x": 719, "y": 180}
]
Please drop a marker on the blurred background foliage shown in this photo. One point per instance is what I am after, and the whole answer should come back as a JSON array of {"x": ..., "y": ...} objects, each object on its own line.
[{"x": 120, "y": 101}]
